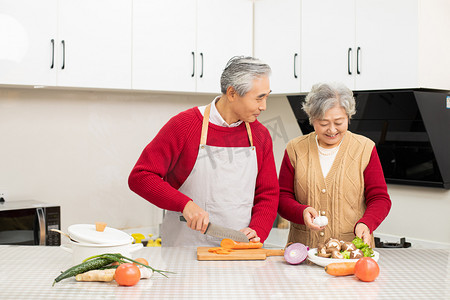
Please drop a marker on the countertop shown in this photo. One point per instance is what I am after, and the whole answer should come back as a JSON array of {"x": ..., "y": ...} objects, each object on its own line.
[{"x": 27, "y": 272}]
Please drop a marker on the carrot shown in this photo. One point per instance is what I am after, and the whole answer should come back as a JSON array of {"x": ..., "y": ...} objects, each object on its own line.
[
  {"x": 220, "y": 250},
  {"x": 100, "y": 226},
  {"x": 341, "y": 269},
  {"x": 230, "y": 244}
]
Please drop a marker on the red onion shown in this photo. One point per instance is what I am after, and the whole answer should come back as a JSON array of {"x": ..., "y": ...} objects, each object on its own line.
[{"x": 295, "y": 253}]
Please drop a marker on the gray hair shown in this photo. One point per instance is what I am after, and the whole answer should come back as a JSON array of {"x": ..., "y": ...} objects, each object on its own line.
[
  {"x": 324, "y": 96},
  {"x": 240, "y": 72}
]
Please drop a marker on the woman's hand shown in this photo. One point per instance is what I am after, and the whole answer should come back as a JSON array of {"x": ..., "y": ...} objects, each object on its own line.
[
  {"x": 363, "y": 232},
  {"x": 308, "y": 216},
  {"x": 251, "y": 234},
  {"x": 196, "y": 217}
]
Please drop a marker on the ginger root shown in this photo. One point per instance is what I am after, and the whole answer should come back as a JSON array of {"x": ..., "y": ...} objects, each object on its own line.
[{"x": 96, "y": 275}]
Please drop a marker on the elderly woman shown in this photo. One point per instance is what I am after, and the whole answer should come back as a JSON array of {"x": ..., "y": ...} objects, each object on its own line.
[
  {"x": 332, "y": 172},
  {"x": 214, "y": 163}
]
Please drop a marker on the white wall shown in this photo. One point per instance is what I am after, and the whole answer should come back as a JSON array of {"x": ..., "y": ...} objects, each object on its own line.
[{"x": 76, "y": 149}]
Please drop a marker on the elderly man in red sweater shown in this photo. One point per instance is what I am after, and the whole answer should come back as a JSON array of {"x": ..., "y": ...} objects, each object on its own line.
[{"x": 214, "y": 163}]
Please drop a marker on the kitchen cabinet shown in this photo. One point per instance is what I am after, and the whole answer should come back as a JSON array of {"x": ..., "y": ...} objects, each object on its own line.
[
  {"x": 183, "y": 46},
  {"x": 66, "y": 43},
  {"x": 277, "y": 42},
  {"x": 364, "y": 44},
  {"x": 27, "y": 41}
]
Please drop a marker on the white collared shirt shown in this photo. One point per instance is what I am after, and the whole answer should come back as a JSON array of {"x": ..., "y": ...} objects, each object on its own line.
[{"x": 215, "y": 117}]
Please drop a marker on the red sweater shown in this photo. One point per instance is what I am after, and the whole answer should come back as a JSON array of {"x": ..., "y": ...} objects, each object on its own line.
[
  {"x": 168, "y": 159},
  {"x": 375, "y": 192}
]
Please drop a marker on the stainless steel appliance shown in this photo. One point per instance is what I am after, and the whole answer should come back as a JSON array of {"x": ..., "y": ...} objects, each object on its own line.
[{"x": 29, "y": 222}]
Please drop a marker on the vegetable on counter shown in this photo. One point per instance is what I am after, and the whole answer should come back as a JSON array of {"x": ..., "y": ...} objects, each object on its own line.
[
  {"x": 97, "y": 275},
  {"x": 367, "y": 269},
  {"x": 127, "y": 274},
  {"x": 341, "y": 268},
  {"x": 103, "y": 261},
  {"x": 295, "y": 253},
  {"x": 230, "y": 244}
]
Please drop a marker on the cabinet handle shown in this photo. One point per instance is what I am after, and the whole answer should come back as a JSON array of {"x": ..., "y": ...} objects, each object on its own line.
[
  {"x": 64, "y": 54},
  {"x": 295, "y": 65},
  {"x": 193, "y": 64},
  {"x": 349, "y": 52},
  {"x": 53, "y": 53},
  {"x": 358, "y": 50},
  {"x": 201, "y": 73}
]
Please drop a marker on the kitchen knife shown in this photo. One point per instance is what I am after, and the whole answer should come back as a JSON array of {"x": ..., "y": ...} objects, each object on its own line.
[{"x": 223, "y": 232}]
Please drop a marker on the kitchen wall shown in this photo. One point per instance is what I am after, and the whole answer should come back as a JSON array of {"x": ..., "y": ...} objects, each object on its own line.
[{"x": 76, "y": 149}]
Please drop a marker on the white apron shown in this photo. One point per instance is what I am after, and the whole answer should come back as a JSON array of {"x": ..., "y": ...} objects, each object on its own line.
[{"x": 222, "y": 182}]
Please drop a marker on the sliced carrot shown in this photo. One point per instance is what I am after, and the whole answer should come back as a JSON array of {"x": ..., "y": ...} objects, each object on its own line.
[
  {"x": 341, "y": 269},
  {"x": 230, "y": 244},
  {"x": 219, "y": 250}
]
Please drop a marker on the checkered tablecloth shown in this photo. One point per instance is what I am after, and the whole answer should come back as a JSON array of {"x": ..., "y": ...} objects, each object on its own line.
[{"x": 27, "y": 272}]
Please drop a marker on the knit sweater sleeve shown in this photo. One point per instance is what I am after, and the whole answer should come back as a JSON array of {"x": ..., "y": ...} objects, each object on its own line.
[
  {"x": 288, "y": 207},
  {"x": 377, "y": 198},
  {"x": 157, "y": 160},
  {"x": 264, "y": 211}
]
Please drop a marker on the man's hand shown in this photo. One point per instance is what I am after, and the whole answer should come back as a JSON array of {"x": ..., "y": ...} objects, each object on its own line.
[
  {"x": 196, "y": 217},
  {"x": 251, "y": 234}
]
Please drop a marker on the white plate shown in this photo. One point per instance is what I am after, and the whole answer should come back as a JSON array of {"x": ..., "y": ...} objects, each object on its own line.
[{"x": 322, "y": 261}]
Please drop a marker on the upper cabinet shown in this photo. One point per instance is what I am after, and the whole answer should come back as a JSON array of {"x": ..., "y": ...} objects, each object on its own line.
[
  {"x": 28, "y": 37},
  {"x": 183, "y": 46},
  {"x": 277, "y": 42},
  {"x": 94, "y": 39},
  {"x": 365, "y": 44},
  {"x": 66, "y": 43}
]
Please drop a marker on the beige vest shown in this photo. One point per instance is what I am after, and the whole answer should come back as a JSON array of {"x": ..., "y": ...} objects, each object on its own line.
[{"x": 340, "y": 195}]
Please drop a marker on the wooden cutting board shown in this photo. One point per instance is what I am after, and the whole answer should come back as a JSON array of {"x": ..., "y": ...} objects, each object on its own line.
[{"x": 244, "y": 254}]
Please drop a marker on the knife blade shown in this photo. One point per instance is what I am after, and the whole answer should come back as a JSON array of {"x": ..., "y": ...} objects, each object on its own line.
[{"x": 223, "y": 232}]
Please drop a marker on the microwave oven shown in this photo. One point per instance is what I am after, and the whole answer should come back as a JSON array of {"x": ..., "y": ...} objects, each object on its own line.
[{"x": 29, "y": 222}]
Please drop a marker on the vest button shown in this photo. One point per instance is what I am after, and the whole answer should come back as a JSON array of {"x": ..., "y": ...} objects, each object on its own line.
[
  {"x": 322, "y": 233},
  {"x": 323, "y": 213},
  {"x": 324, "y": 191}
]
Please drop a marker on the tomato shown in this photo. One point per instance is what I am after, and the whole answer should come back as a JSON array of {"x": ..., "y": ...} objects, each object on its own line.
[
  {"x": 367, "y": 269},
  {"x": 127, "y": 274},
  {"x": 142, "y": 261}
]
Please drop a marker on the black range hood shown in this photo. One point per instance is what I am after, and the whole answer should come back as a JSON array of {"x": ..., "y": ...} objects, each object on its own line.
[{"x": 411, "y": 129}]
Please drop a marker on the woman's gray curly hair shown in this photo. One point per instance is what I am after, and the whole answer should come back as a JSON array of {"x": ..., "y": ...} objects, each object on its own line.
[{"x": 324, "y": 96}]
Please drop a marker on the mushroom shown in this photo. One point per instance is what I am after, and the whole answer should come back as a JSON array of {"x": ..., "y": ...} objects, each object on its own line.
[
  {"x": 342, "y": 243},
  {"x": 334, "y": 243},
  {"x": 355, "y": 254},
  {"x": 336, "y": 254},
  {"x": 348, "y": 246},
  {"x": 322, "y": 251}
]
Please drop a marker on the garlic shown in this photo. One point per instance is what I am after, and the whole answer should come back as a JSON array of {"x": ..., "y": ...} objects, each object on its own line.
[{"x": 321, "y": 221}]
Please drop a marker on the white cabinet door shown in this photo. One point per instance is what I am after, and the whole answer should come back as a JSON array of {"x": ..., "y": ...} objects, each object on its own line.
[
  {"x": 27, "y": 29},
  {"x": 164, "y": 45},
  {"x": 387, "y": 35},
  {"x": 328, "y": 39},
  {"x": 277, "y": 42},
  {"x": 97, "y": 43},
  {"x": 224, "y": 31}
]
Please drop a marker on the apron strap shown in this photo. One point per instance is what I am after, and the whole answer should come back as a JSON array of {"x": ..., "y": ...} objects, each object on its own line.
[{"x": 205, "y": 127}]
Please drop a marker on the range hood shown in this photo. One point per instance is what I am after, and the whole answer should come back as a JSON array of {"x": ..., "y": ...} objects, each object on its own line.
[{"x": 411, "y": 129}]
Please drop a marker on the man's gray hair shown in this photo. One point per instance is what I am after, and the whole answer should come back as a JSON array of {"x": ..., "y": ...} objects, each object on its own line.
[
  {"x": 240, "y": 72},
  {"x": 324, "y": 96}
]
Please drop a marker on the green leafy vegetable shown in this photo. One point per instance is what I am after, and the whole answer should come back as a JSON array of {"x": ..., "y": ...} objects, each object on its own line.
[
  {"x": 366, "y": 250},
  {"x": 346, "y": 254}
]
